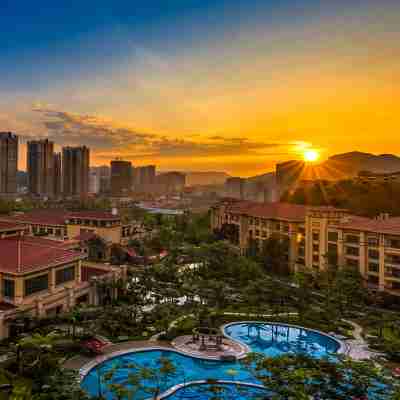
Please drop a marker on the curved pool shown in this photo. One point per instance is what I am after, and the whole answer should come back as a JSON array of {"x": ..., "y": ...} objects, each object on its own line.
[
  {"x": 274, "y": 340},
  {"x": 270, "y": 339}
]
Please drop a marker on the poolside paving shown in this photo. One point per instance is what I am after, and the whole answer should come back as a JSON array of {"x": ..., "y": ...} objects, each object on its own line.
[
  {"x": 78, "y": 362},
  {"x": 186, "y": 345}
]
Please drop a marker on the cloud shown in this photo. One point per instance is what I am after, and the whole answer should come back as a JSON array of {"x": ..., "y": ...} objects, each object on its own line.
[
  {"x": 74, "y": 129},
  {"x": 108, "y": 139}
]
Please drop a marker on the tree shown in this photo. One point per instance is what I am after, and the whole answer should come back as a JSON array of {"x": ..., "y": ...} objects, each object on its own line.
[
  {"x": 275, "y": 255},
  {"x": 62, "y": 384},
  {"x": 301, "y": 377},
  {"x": 143, "y": 380}
]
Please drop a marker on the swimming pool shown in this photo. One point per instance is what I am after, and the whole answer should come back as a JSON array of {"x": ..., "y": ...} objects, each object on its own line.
[
  {"x": 269, "y": 339},
  {"x": 274, "y": 340}
]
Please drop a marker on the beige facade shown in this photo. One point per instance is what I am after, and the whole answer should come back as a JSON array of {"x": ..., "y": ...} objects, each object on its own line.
[
  {"x": 65, "y": 289},
  {"x": 322, "y": 237},
  {"x": 258, "y": 226}
]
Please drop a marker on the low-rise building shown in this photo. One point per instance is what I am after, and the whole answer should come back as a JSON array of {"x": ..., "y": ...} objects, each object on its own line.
[
  {"x": 42, "y": 277},
  {"x": 64, "y": 225},
  {"x": 319, "y": 237}
]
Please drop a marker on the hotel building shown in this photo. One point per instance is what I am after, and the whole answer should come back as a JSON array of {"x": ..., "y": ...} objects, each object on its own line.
[
  {"x": 62, "y": 225},
  {"x": 42, "y": 277},
  {"x": 319, "y": 237}
]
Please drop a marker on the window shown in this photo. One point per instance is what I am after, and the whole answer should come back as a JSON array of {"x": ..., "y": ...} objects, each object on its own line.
[
  {"x": 351, "y": 262},
  {"x": 392, "y": 259},
  {"x": 332, "y": 236},
  {"x": 332, "y": 254},
  {"x": 50, "y": 231},
  {"x": 373, "y": 254},
  {"x": 315, "y": 236},
  {"x": 58, "y": 232},
  {"x": 257, "y": 221},
  {"x": 373, "y": 280},
  {"x": 352, "y": 239},
  {"x": 286, "y": 227},
  {"x": 8, "y": 288},
  {"x": 393, "y": 243},
  {"x": 373, "y": 241},
  {"x": 65, "y": 275},
  {"x": 353, "y": 251},
  {"x": 315, "y": 247},
  {"x": 36, "y": 284},
  {"x": 257, "y": 232},
  {"x": 373, "y": 267},
  {"x": 264, "y": 234},
  {"x": 316, "y": 259}
]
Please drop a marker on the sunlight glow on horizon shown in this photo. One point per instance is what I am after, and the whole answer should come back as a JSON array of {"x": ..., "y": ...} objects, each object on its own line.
[{"x": 311, "y": 155}]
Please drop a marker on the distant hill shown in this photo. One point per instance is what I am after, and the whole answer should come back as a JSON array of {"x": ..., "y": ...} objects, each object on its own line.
[
  {"x": 350, "y": 164},
  {"x": 264, "y": 178},
  {"x": 206, "y": 178}
]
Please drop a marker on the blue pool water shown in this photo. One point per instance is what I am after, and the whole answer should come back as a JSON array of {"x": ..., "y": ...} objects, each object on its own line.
[
  {"x": 271, "y": 340},
  {"x": 276, "y": 340}
]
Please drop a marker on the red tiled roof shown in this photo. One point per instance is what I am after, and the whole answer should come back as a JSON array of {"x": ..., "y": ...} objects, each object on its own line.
[
  {"x": 103, "y": 215},
  {"x": 6, "y": 225},
  {"x": 58, "y": 216},
  {"x": 282, "y": 211},
  {"x": 41, "y": 217},
  {"x": 390, "y": 226},
  {"x": 27, "y": 254}
]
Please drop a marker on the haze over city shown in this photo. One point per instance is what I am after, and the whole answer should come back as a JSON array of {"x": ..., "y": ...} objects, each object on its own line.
[{"x": 231, "y": 86}]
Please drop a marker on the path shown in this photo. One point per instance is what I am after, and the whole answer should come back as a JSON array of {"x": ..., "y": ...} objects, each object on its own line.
[
  {"x": 358, "y": 348},
  {"x": 78, "y": 362}
]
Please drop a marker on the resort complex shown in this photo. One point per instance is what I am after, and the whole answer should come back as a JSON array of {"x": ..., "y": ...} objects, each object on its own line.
[{"x": 208, "y": 319}]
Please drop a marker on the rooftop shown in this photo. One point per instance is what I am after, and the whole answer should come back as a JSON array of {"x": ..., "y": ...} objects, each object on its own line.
[
  {"x": 6, "y": 225},
  {"x": 58, "y": 216},
  {"x": 388, "y": 226},
  {"x": 101, "y": 215},
  {"x": 24, "y": 254},
  {"x": 41, "y": 217},
  {"x": 276, "y": 210}
]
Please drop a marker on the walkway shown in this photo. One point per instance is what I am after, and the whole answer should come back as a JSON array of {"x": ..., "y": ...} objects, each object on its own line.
[
  {"x": 358, "y": 348},
  {"x": 78, "y": 362}
]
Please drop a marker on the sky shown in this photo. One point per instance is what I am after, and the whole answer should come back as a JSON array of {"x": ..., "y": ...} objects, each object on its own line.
[{"x": 223, "y": 85}]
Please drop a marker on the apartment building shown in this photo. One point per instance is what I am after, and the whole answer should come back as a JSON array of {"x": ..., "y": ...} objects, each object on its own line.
[
  {"x": 75, "y": 167},
  {"x": 40, "y": 167},
  {"x": 319, "y": 237},
  {"x": 8, "y": 163}
]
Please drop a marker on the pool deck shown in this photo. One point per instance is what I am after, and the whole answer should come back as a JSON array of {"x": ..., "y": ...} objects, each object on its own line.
[{"x": 78, "y": 362}]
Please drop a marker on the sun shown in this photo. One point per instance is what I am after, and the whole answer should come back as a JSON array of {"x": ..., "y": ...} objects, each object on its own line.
[{"x": 311, "y": 155}]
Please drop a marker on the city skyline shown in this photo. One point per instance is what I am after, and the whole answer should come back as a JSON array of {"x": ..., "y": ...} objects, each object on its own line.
[{"x": 234, "y": 86}]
